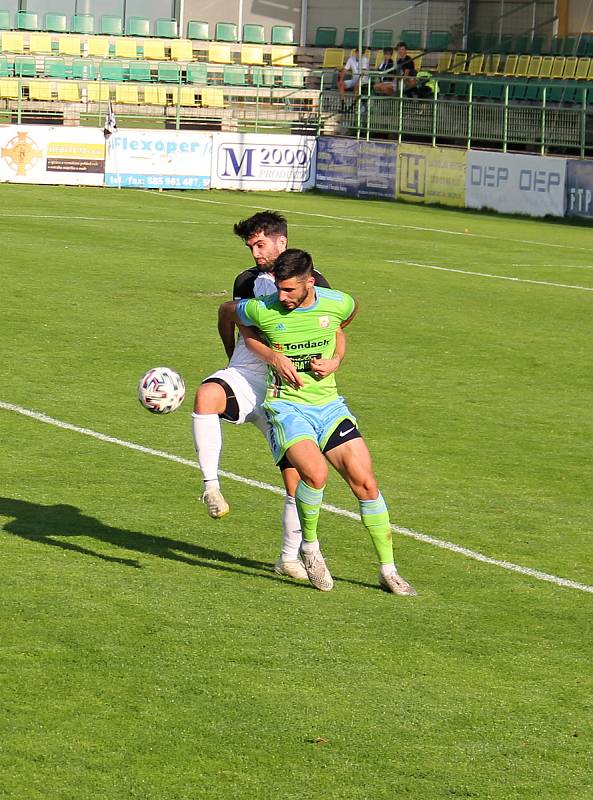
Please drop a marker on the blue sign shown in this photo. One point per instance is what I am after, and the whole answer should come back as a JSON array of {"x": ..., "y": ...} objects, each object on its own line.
[
  {"x": 376, "y": 170},
  {"x": 337, "y": 165},
  {"x": 579, "y": 189}
]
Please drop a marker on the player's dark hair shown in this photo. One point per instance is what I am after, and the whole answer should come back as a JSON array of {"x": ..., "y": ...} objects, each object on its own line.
[
  {"x": 270, "y": 223},
  {"x": 293, "y": 263}
]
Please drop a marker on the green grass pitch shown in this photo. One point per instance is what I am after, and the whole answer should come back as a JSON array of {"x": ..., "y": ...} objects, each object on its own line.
[{"x": 148, "y": 652}]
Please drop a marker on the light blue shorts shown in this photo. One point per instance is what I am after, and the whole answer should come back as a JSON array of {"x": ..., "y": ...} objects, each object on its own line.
[{"x": 293, "y": 422}]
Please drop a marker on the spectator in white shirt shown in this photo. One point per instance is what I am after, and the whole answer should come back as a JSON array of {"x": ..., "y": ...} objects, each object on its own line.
[{"x": 356, "y": 81}]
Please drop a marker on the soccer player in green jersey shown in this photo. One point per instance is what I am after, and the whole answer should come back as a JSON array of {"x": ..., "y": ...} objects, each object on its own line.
[{"x": 311, "y": 423}]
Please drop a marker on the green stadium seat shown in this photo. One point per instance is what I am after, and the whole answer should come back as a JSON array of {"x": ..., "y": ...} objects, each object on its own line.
[
  {"x": 27, "y": 21},
  {"x": 83, "y": 23},
  {"x": 522, "y": 44},
  {"x": 490, "y": 42},
  {"x": 5, "y": 23},
  {"x": 557, "y": 45},
  {"x": 350, "y": 39},
  {"x": 168, "y": 73},
  {"x": 537, "y": 45},
  {"x": 112, "y": 71},
  {"x": 292, "y": 78},
  {"x": 263, "y": 76},
  {"x": 570, "y": 45},
  {"x": 84, "y": 69},
  {"x": 475, "y": 42},
  {"x": 506, "y": 43},
  {"x": 55, "y": 68},
  {"x": 381, "y": 39},
  {"x": 325, "y": 37},
  {"x": 225, "y": 32},
  {"x": 24, "y": 67},
  {"x": 197, "y": 29},
  {"x": 234, "y": 75},
  {"x": 4, "y": 68},
  {"x": 137, "y": 26},
  {"x": 282, "y": 34},
  {"x": 412, "y": 38},
  {"x": 438, "y": 41},
  {"x": 254, "y": 34},
  {"x": 140, "y": 71},
  {"x": 55, "y": 23},
  {"x": 196, "y": 73},
  {"x": 166, "y": 28},
  {"x": 111, "y": 25}
]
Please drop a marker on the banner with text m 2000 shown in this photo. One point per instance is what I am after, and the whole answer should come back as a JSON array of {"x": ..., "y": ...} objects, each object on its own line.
[
  {"x": 158, "y": 159},
  {"x": 516, "y": 184}
]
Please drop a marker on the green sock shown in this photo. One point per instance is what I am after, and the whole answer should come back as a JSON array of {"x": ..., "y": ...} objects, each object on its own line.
[
  {"x": 375, "y": 519},
  {"x": 308, "y": 503}
]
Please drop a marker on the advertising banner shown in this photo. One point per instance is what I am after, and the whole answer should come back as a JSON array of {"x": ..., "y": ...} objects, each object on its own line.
[
  {"x": 47, "y": 154},
  {"x": 579, "y": 189},
  {"x": 159, "y": 159},
  {"x": 355, "y": 168},
  {"x": 431, "y": 175},
  {"x": 376, "y": 170},
  {"x": 516, "y": 184},
  {"x": 268, "y": 161}
]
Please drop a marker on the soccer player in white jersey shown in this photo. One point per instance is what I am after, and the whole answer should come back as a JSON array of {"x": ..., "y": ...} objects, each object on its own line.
[{"x": 236, "y": 392}]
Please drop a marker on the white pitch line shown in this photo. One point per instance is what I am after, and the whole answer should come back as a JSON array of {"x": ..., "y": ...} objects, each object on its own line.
[
  {"x": 421, "y": 537},
  {"x": 489, "y": 275},
  {"x": 138, "y": 220}
]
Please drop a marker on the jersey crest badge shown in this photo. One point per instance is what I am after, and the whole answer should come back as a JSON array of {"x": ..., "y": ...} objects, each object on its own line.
[{"x": 323, "y": 322}]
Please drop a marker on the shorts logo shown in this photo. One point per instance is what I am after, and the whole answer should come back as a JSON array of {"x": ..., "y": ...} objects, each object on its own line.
[{"x": 324, "y": 322}]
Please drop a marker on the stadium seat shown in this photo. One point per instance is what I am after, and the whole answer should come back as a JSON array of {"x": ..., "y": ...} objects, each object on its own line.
[
  {"x": 27, "y": 21},
  {"x": 570, "y": 68},
  {"x": 412, "y": 38},
  {"x": 458, "y": 64},
  {"x": 84, "y": 69},
  {"x": 40, "y": 90},
  {"x": 558, "y": 67},
  {"x": 196, "y": 29},
  {"x": 4, "y": 68},
  {"x": 381, "y": 39},
  {"x": 263, "y": 76},
  {"x": 98, "y": 92},
  {"x": 13, "y": 43},
  {"x": 476, "y": 63},
  {"x": 196, "y": 73},
  {"x": 252, "y": 54},
  {"x": 212, "y": 97},
  {"x": 253, "y": 34},
  {"x": 137, "y": 26},
  {"x": 126, "y": 93},
  {"x": 537, "y": 45},
  {"x": 545, "y": 70},
  {"x": 292, "y": 78},
  {"x": 444, "y": 62},
  {"x": 5, "y": 23},
  {"x": 590, "y": 78},
  {"x": 282, "y": 56},
  {"x": 69, "y": 92},
  {"x": 234, "y": 75},
  {"x": 111, "y": 25},
  {"x": 570, "y": 45},
  {"x": 24, "y": 67},
  {"x": 112, "y": 71},
  {"x": 126, "y": 47},
  {"x": 181, "y": 50},
  {"x": 492, "y": 64},
  {"x": 168, "y": 73},
  {"x": 83, "y": 23},
  {"x": 69, "y": 44},
  {"x": 325, "y": 37},
  {"x": 98, "y": 46},
  {"x": 510, "y": 65},
  {"x": 582, "y": 71},
  {"x": 55, "y": 68},
  {"x": 521, "y": 45},
  {"x": 55, "y": 23},
  {"x": 438, "y": 41},
  {"x": 219, "y": 53},
  {"x": 475, "y": 42},
  {"x": 187, "y": 96},
  {"x": 140, "y": 71},
  {"x": 166, "y": 28},
  {"x": 522, "y": 68},
  {"x": 154, "y": 49},
  {"x": 282, "y": 34},
  {"x": 155, "y": 95},
  {"x": 225, "y": 32},
  {"x": 535, "y": 63},
  {"x": 333, "y": 57},
  {"x": 9, "y": 89},
  {"x": 506, "y": 43},
  {"x": 350, "y": 38},
  {"x": 40, "y": 43}
]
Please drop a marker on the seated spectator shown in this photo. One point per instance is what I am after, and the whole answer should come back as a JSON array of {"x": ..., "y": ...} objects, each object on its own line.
[
  {"x": 355, "y": 67},
  {"x": 404, "y": 70},
  {"x": 424, "y": 88},
  {"x": 386, "y": 66}
]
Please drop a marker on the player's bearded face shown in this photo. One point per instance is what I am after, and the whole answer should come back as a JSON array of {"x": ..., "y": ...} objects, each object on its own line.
[
  {"x": 295, "y": 292},
  {"x": 266, "y": 249}
]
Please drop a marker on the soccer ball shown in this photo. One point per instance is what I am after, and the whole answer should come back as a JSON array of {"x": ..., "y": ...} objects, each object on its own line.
[{"x": 161, "y": 390}]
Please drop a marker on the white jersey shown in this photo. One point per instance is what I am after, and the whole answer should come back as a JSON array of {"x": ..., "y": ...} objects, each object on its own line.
[{"x": 242, "y": 357}]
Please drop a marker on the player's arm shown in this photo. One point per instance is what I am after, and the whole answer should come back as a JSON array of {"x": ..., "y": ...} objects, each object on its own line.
[
  {"x": 279, "y": 363},
  {"x": 322, "y": 367},
  {"x": 226, "y": 326}
]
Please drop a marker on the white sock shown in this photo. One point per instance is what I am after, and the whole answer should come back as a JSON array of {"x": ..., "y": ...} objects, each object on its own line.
[
  {"x": 291, "y": 530},
  {"x": 387, "y": 569},
  {"x": 208, "y": 444},
  {"x": 310, "y": 547}
]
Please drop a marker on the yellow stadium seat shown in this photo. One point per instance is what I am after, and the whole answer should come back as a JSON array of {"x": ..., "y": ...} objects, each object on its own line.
[
  {"x": 40, "y": 43},
  {"x": 13, "y": 43},
  {"x": 69, "y": 45},
  {"x": 444, "y": 62},
  {"x": 492, "y": 64},
  {"x": 155, "y": 95},
  {"x": 510, "y": 66},
  {"x": 219, "y": 53},
  {"x": 333, "y": 58},
  {"x": 98, "y": 46},
  {"x": 213, "y": 96},
  {"x": 126, "y": 93},
  {"x": 476, "y": 63},
  {"x": 9, "y": 89},
  {"x": 126, "y": 47},
  {"x": 458, "y": 63},
  {"x": 181, "y": 50},
  {"x": 558, "y": 67},
  {"x": 583, "y": 69},
  {"x": 97, "y": 92},
  {"x": 155, "y": 49},
  {"x": 416, "y": 56},
  {"x": 570, "y": 67},
  {"x": 40, "y": 90},
  {"x": 282, "y": 56},
  {"x": 252, "y": 54},
  {"x": 535, "y": 64},
  {"x": 69, "y": 92},
  {"x": 545, "y": 70},
  {"x": 522, "y": 66},
  {"x": 188, "y": 96}
]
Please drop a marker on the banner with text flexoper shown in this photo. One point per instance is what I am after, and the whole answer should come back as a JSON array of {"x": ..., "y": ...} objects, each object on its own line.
[
  {"x": 431, "y": 175},
  {"x": 516, "y": 184}
]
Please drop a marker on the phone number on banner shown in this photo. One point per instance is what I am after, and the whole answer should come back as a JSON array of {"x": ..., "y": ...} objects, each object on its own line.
[{"x": 157, "y": 181}]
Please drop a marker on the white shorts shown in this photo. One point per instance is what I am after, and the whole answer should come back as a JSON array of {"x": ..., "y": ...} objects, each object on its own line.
[{"x": 249, "y": 390}]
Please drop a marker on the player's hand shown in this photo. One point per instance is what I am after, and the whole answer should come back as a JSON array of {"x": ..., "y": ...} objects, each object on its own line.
[
  {"x": 286, "y": 370},
  {"x": 322, "y": 367}
]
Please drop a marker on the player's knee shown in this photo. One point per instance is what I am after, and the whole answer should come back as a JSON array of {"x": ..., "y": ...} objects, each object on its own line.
[
  {"x": 366, "y": 488},
  {"x": 316, "y": 475},
  {"x": 210, "y": 399}
]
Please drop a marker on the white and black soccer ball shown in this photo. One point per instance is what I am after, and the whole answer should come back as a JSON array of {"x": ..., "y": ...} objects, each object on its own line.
[{"x": 161, "y": 390}]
